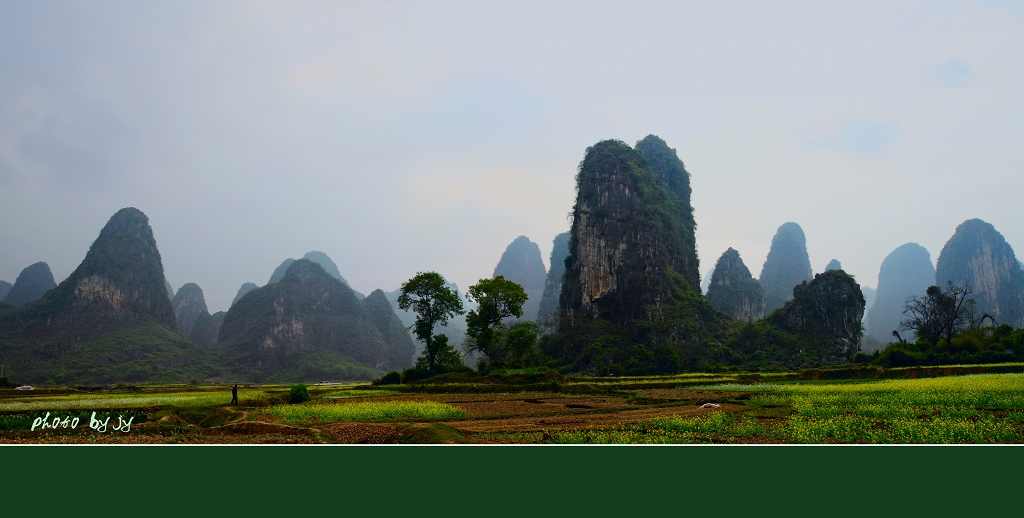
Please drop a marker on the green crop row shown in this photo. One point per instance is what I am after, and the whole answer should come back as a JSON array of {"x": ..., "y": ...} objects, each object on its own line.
[{"x": 360, "y": 411}]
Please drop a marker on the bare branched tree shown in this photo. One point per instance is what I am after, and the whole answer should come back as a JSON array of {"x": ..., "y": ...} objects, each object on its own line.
[{"x": 940, "y": 313}]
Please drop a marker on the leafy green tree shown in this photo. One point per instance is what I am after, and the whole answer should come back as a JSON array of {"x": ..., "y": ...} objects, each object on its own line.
[
  {"x": 446, "y": 358},
  {"x": 434, "y": 304},
  {"x": 497, "y": 299}
]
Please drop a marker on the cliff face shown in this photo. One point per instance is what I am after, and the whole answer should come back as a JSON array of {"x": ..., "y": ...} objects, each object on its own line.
[
  {"x": 120, "y": 280},
  {"x": 733, "y": 291},
  {"x": 32, "y": 283},
  {"x": 309, "y": 325},
  {"x": 664, "y": 162},
  {"x": 109, "y": 321},
  {"x": 188, "y": 304},
  {"x": 626, "y": 249},
  {"x": 170, "y": 290},
  {"x": 978, "y": 255},
  {"x": 5, "y": 288},
  {"x": 907, "y": 271},
  {"x": 828, "y": 312},
  {"x": 787, "y": 265},
  {"x": 246, "y": 288},
  {"x": 547, "y": 315},
  {"x": 521, "y": 263}
]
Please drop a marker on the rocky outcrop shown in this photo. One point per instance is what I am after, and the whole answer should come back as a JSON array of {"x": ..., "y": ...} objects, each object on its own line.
[
  {"x": 32, "y": 283},
  {"x": 547, "y": 315},
  {"x": 734, "y": 291},
  {"x": 120, "y": 280},
  {"x": 170, "y": 290},
  {"x": 309, "y": 325},
  {"x": 979, "y": 256},
  {"x": 827, "y": 313},
  {"x": 833, "y": 265},
  {"x": 664, "y": 162},
  {"x": 109, "y": 321},
  {"x": 246, "y": 288},
  {"x": 521, "y": 263},
  {"x": 907, "y": 271},
  {"x": 627, "y": 251},
  {"x": 188, "y": 304},
  {"x": 787, "y": 265}
]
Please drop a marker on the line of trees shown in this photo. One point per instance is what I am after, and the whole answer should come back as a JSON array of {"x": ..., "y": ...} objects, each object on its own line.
[{"x": 492, "y": 329}]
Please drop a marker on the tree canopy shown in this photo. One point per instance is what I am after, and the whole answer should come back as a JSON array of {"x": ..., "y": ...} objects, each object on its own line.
[
  {"x": 434, "y": 304},
  {"x": 497, "y": 299}
]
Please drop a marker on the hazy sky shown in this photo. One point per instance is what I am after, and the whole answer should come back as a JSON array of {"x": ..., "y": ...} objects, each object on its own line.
[{"x": 402, "y": 137}]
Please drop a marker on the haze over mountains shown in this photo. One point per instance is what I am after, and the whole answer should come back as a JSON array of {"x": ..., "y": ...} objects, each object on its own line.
[
  {"x": 629, "y": 299},
  {"x": 786, "y": 266},
  {"x": 521, "y": 263},
  {"x": 32, "y": 283},
  {"x": 979, "y": 256},
  {"x": 905, "y": 272}
]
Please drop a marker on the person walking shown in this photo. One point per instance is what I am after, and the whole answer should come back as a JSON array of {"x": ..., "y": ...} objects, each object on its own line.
[{"x": 234, "y": 395}]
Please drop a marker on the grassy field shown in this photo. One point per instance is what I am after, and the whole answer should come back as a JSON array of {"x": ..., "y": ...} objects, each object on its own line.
[{"x": 751, "y": 408}]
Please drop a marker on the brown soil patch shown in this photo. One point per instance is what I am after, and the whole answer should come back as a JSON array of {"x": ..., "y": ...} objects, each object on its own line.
[
  {"x": 360, "y": 433},
  {"x": 257, "y": 427},
  {"x": 534, "y": 406},
  {"x": 593, "y": 419},
  {"x": 462, "y": 398}
]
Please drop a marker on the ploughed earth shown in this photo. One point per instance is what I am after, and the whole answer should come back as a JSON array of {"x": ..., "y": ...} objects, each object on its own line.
[{"x": 489, "y": 418}]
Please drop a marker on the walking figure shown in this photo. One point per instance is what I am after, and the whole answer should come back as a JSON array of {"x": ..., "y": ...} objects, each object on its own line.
[{"x": 234, "y": 395}]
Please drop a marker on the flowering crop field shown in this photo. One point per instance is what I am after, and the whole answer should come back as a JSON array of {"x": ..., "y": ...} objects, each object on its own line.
[
  {"x": 986, "y": 408},
  {"x": 975, "y": 409},
  {"x": 364, "y": 410},
  {"x": 108, "y": 401}
]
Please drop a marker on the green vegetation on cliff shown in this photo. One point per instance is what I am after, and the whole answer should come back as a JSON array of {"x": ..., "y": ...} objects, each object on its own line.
[
  {"x": 110, "y": 320},
  {"x": 628, "y": 238},
  {"x": 308, "y": 326},
  {"x": 733, "y": 291},
  {"x": 664, "y": 161}
]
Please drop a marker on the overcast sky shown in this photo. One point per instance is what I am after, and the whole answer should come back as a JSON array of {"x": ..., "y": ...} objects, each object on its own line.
[{"x": 402, "y": 137}]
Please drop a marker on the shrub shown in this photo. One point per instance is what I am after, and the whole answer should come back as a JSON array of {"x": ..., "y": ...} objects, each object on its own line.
[
  {"x": 391, "y": 378},
  {"x": 299, "y": 394}
]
